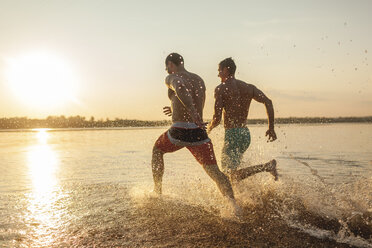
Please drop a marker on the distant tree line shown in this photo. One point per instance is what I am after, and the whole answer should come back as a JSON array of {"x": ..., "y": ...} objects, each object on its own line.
[
  {"x": 82, "y": 122},
  {"x": 74, "y": 122},
  {"x": 324, "y": 120}
]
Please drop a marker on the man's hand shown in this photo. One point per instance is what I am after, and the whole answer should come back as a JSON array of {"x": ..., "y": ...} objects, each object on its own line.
[
  {"x": 209, "y": 128},
  {"x": 167, "y": 110},
  {"x": 272, "y": 135},
  {"x": 202, "y": 125}
]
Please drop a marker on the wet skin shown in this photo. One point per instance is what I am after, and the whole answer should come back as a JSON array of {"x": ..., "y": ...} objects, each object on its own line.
[{"x": 233, "y": 98}]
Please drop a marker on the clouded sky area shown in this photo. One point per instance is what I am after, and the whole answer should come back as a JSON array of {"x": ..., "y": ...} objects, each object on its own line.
[{"x": 106, "y": 58}]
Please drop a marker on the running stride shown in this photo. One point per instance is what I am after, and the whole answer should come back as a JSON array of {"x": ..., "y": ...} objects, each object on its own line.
[{"x": 233, "y": 97}]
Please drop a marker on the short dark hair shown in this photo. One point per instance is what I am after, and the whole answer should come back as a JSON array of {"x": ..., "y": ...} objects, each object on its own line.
[
  {"x": 229, "y": 64},
  {"x": 175, "y": 58}
]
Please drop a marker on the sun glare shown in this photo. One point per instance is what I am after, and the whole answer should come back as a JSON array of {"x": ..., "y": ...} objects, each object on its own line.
[
  {"x": 41, "y": 79},
  {"x": 46, "y": 196},
  {"x": 42, "y": 162}
]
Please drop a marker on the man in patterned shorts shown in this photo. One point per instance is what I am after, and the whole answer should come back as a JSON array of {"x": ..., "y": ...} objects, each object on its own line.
[{"x": 233, "y": 97}]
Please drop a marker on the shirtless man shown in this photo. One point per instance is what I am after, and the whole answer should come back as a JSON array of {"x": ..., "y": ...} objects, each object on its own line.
[
  {"x": 233, "y": 97},
  {"x": 186, "y": 91}
]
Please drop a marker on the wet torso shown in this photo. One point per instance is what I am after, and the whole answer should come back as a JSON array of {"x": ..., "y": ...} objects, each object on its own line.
[
  {"x": 236, "y": 97},
  {"x": 196, "y": 88}
]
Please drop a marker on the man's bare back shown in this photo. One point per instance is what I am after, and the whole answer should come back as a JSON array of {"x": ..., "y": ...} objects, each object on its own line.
[
  {"x": 187, "y": 94},
  {"x": 185, "y": 86}
]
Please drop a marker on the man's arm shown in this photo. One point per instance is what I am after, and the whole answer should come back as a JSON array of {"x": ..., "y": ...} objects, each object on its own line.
[
  {"x": 183, "y": 94},
  {"x": 259, "y": 96},
  {"x": 218, "y": 106}
]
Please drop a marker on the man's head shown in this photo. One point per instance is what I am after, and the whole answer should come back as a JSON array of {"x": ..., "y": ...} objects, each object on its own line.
[
  {"x": 173, "y": 62},
  {"x": 226, "y": 69}
]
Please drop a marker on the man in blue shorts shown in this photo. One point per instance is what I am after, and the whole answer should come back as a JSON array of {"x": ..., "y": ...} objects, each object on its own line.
[{"x": 233, "y": 98}]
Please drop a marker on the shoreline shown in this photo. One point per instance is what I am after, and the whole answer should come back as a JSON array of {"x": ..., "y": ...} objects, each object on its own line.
[
  {"x": 80, "y": 123},
  {"x": 76, "y": 129}
]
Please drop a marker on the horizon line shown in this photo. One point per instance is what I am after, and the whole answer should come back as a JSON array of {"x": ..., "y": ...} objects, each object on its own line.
[{"x": 133, "y": 119}]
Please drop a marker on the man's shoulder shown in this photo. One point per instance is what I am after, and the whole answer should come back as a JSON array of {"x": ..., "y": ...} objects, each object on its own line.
[
  {"x": 172, "y": 81},
  {"x": 170, "y": 77},
  {"x": 173, "y": 78},
  {"x": 241, "y": 82},
  {"x": 195, "y": 76},
  {"x": 245, "y": 85},
  {"x": 220, "y": 89}
]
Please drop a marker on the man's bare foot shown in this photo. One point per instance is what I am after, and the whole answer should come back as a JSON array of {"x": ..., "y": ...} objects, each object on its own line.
[{"x": 272, "y": 169}]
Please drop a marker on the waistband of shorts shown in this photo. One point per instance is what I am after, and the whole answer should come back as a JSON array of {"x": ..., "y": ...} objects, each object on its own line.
[
  {"x": 233, "y": 129},
  {"x": 186, "y": 125},
  {"x": 185, "y": 143}
]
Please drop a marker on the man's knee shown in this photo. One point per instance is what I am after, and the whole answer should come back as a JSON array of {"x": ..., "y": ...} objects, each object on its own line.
[
  {"x": 215, "y": 173},
  {"x": 157, "y": 155},
  {"x": 156, "y": 151}
]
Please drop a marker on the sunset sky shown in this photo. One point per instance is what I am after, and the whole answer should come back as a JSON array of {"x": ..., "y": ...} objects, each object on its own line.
[{"x": 106, "y": 58}]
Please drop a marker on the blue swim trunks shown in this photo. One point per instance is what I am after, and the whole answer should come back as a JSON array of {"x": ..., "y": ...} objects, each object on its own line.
[{"x": 237, "y": 141}]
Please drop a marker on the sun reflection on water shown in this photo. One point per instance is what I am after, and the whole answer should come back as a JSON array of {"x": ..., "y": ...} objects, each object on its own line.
[
  {"x": 42, "y": 163},
  {"x": 45, "y": 212}
]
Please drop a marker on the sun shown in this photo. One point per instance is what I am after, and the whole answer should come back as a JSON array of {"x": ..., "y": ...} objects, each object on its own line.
[{"x": 42, "y": 79}]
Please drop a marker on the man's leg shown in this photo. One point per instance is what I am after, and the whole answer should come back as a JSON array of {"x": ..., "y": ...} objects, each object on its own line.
[
  {"x": 231, "y": 159},
  {"x": 241, "y": 174},
  {"x": 204, "y": 154},
  {"x": 222, "y": 181},
  {"x": 162, "y": 146},
  {"x": 157, "y": 163},
  {"x": 236, "y": 142}
]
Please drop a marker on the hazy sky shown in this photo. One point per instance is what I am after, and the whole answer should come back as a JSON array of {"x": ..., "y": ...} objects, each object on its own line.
[{"x": 312, "y": 58}]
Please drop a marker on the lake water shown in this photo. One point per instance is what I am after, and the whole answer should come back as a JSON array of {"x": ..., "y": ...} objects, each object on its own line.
[{"x": 91, "y": 188}]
